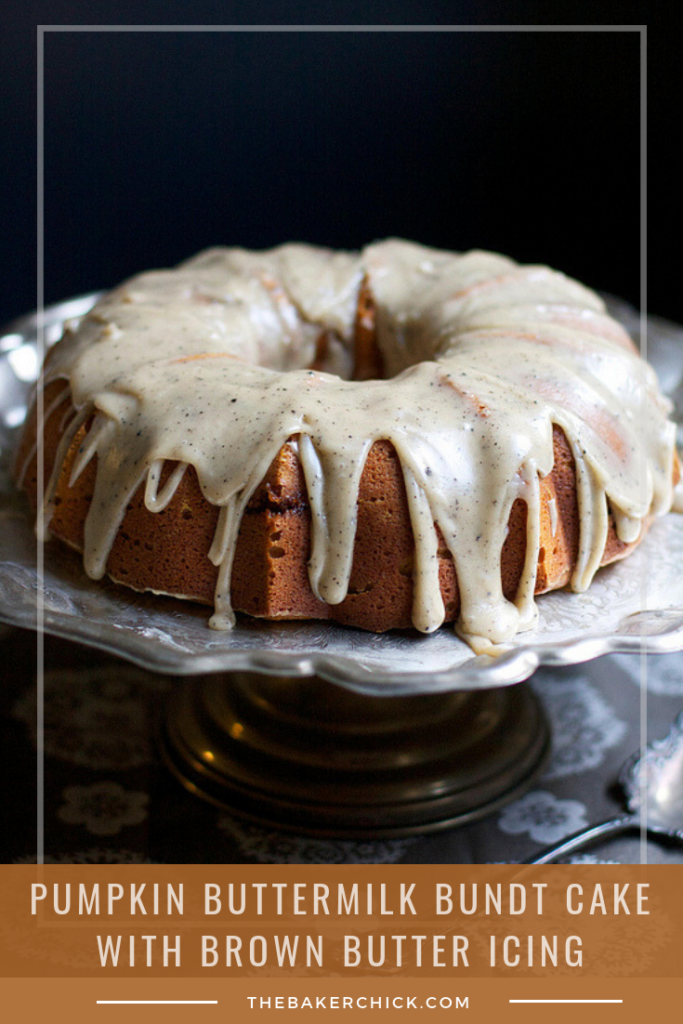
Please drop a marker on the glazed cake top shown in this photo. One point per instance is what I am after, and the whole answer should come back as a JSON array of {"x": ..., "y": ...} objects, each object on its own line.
[{"x": 208, "y": 365}]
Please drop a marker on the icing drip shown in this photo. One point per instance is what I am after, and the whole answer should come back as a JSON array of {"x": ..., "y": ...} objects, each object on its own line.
[
  {"x": 61, "y": 397},
  {"x": 221, "y": 554},
  {"x": 99, "y": 432},
  {"x": 428, "y": 606},
  {"x": 154, "y": 501},
  {"x": 209, "y": 365},
  {"x": 47, "y": 508},
  {"x": 594, "y": 521},
  {"x": 524, "y": 601}
]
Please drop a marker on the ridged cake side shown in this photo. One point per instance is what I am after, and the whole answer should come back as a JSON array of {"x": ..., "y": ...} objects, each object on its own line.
[{"x": 167, "y": 551}]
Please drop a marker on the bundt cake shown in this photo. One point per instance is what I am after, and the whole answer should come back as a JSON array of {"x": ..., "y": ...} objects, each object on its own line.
[{"x": 400, "y": 436}]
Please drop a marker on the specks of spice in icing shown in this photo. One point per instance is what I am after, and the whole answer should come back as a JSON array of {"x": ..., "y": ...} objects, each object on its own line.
[{"x": 208, "y": 365}]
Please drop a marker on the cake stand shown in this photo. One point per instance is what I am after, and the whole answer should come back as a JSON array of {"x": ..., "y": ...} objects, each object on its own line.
[{"x": 325, "y": 729}]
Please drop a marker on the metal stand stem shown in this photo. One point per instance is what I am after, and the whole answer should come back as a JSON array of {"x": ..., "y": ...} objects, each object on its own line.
[{"x": 309, "y": 756}]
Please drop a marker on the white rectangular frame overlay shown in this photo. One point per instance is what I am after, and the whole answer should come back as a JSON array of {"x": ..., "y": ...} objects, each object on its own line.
[{"x": 42, "y": 31}]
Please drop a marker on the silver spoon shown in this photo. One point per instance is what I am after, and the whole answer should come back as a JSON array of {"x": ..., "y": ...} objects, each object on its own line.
[{"x": 657, "y": 774}]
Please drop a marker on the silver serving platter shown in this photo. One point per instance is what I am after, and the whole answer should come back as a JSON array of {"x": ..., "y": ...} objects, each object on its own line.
[{"x": 637, "y": 604}]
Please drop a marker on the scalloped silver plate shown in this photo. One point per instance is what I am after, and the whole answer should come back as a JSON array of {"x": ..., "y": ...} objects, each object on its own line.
[{"x": 637, "y": 603}]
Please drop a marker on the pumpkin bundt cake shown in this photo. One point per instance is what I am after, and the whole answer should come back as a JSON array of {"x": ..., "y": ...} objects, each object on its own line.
[{"x": 400, "y": 436}]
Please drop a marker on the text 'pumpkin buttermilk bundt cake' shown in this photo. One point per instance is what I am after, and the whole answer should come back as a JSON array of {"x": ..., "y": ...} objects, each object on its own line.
[{"x": 401, "y": 436}]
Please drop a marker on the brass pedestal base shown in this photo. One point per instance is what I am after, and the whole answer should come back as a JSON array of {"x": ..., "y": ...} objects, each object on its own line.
[{"x": 306, "y": 755}]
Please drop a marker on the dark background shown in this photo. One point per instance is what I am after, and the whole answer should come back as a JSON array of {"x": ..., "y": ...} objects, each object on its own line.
[{"x": 158, "y": 145}]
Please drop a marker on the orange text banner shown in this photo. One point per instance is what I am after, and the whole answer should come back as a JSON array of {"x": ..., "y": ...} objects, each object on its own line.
[{"x": 453, "y": 923}]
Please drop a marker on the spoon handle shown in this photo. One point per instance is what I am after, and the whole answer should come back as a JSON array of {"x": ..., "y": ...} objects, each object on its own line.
[{"x": 586, "y": 837}]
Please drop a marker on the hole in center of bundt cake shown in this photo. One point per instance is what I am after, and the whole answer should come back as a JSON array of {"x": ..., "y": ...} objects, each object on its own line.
[
  {"x": 363, "y": 359},
  {"x": 368, "y": 363}
]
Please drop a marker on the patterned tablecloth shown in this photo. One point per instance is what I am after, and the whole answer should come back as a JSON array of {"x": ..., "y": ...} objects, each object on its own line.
[{"x": 108, "y": 798}]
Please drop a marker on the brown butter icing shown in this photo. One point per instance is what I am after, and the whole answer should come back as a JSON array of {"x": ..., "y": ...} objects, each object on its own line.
[{"x": 208, "y": 365}]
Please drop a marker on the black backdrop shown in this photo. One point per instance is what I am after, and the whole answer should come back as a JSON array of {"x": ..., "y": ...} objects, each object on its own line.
[{"x": 157, "y": 145}]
